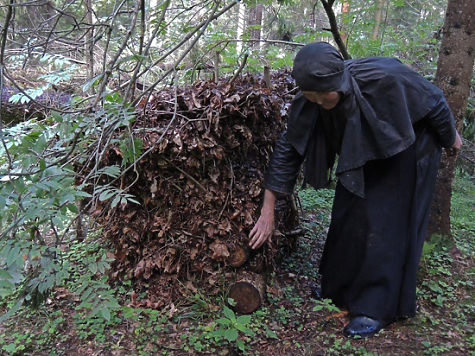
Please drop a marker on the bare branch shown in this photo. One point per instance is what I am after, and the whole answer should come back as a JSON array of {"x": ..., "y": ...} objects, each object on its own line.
[
  {"x": 187, "y": 37},
  {"x": 113, "y": 62},
  {"x": 147, "y": 49},
  {"x": 2, "y": 66},
  {"x": 327, "y": 5},
  {"x": 203, "y": 27},
  {"x": 243, "y": 63}
]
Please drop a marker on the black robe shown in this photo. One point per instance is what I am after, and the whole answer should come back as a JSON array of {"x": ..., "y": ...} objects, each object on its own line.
[{"x": 395, "y": 123}]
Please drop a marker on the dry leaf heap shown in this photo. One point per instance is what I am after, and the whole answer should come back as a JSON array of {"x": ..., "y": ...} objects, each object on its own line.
[{"x": 200, "y": 187}]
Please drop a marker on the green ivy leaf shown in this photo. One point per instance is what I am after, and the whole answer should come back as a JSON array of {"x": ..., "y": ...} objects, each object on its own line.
[
  {"x": 115, "y": 201},
  {"x": 228, "y": 313},
  {"x": 223, "y": 321},
  {"x": 271, "y": 333},
  {"x": 106, "y": 194},
  {"x": 240, "y": 344},
  {"x": 42, "y": 164},
  {"x": 244, "y": 319},
  {"x": 10, "y": 348},
  {"x": 231, "y": 335},
  {"x": 105, "y": 312}
]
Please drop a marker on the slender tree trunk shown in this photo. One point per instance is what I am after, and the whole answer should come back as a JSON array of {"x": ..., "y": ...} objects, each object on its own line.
[
  {"x": 345, "y": 10},
  {"x": 240, "y": 25},
  {"x": 89, "y": 41},
  {"x": 328, "y": 6},
  {"x": 378, "y": 16},
  {"x": 255, "y": 20},
  {"x": 454, "y": 72}
]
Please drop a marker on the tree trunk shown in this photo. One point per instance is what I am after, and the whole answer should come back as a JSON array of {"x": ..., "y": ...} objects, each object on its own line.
[
  {"x": 255, "y": 23},
  {"x": 328, "y": 6},
  {"x": 345, "y": 10},
  {"x": 89, "y": 42},
  {"x": 378, "y": 15},
  {"x": 454, "y": 72},
  {"x": 240, "y": 26}
]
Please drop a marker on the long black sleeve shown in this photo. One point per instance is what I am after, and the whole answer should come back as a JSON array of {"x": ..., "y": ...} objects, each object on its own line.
[
  {"x": 283, "y": 169},
  {"x": 441, "y": 120}
]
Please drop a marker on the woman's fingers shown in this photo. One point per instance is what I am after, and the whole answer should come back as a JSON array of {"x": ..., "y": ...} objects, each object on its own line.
[
  {"x": 258, "y": 241},
  {"x": 458, "y": 141},
  {"x": 261, "y": 232}
]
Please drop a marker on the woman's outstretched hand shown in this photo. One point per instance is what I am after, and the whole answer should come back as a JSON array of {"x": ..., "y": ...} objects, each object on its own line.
[
  {"x": 262, "y": 231},
  {"x": 264, "y": 228},
  {"x": 458, "y": 141},
  {"x": 452, "y": 151}
]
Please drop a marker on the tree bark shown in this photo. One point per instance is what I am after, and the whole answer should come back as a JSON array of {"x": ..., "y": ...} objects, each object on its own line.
[
  {"x": 454, "y": 72},
  {"x": 89, "y": 42},
  {"x": 255, "y": 20},
  {"x": 378, "y": 16},
  {"x": 240, "y": 26},
  {"x": 328, "y": 6},
  {"x": 345, "y": 10}
]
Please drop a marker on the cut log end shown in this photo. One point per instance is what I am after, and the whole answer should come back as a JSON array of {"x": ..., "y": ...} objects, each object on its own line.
[
  {"x": 238, "y": 257},
  {"x": 246, "y": 296}
]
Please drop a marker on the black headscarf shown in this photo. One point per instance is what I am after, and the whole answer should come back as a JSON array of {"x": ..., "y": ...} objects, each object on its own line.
[
  {"x": 383, "y": 99},
  {"x": 320, "y": 67}
]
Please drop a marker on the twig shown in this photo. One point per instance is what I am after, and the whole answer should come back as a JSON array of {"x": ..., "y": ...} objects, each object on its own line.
[
  {"x": 230, "y": 190},
  {"x": 113, "y": 62},
  {"x": 241, "y": 67},
  {"x": 327, "y": 5},
  {"x": 151, "y": 148},
  {"x": 2, "y": 66},
  {"x": 204, "y": 24},
  {"x": 187, "y": 175}
]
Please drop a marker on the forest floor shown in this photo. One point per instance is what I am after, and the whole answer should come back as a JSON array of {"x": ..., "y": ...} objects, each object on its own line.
[{"x": 290, "y": 323}]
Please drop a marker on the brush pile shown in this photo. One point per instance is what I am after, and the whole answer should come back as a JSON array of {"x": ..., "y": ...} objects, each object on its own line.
[{"x": 200, "y": 187}]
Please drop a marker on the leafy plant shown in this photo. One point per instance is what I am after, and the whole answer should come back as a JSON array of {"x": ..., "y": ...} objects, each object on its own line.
[
  {"x": 230, "y": 326},
  {"x": 61, "y": 70},
  {"x": 40, "y": 200},
  {"x": 326, "y": 304}
]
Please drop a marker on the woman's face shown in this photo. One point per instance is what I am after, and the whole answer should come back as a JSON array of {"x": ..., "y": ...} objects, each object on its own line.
[{"x": 326, "y": 99}]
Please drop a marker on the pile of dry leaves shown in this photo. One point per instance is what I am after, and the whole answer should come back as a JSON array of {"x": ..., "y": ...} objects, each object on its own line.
[{"x": 200, "y": 187}]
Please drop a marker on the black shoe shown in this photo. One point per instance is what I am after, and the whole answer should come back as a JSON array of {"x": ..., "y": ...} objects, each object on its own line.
[
  {"x": 316, "y": 292},
  {"x": 362, "y": 326}
]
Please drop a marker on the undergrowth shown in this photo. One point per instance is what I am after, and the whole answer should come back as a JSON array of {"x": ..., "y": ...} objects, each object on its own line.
[{"x": 289, "y": 323}]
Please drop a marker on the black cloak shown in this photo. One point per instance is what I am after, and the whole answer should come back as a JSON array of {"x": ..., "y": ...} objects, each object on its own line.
[
  {"x": 387, "y": 129},
  {"x": 382, "y": 100}
]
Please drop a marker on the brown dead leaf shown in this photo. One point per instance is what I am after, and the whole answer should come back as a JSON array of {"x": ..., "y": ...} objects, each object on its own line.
[
  {"x": 220, "y": 250},
  {"x": 190, "y": 286},
  {"x": 341, "y": 317},
  {"x": 193, "y": 253},
  {"x": 177, "y": 141},
  {"x": 133, "y": 297},
  {"x": 153, "y": 187},
  {"x": 234, "y": 98},
  {"x": 195, "y": 100},
  {"x": 274, "y": 291},
  {"x": 172, "y": 310},
  {"x": 62, "y": 293},
  {"x": 139, "y": 269},
  {"x": 211, "y": 230},
  {"x": 162, "y": 145}
]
